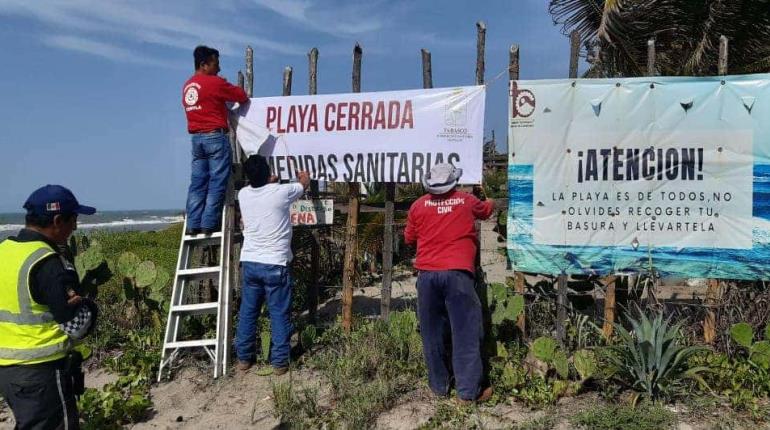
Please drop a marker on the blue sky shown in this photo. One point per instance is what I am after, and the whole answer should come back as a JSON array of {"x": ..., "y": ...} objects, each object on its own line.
[{"x": 91, "y": 89}]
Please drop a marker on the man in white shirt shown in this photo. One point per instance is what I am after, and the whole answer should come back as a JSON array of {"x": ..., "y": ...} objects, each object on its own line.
[{"x": 265, "y": 257}]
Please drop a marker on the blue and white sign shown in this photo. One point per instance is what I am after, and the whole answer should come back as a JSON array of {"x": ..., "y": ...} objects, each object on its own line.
[{"x": 623, "y": 175}]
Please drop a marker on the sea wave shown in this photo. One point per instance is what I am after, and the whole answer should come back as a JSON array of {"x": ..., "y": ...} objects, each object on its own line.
[{"x": 125, "y": 222}]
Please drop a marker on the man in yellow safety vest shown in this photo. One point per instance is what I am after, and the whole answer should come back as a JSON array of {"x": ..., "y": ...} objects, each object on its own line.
[{"x": 42, "y": 315}]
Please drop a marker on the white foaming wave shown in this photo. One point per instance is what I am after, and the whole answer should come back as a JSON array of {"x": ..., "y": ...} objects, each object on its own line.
[
  {"x": 129, "y": 221},
  {"x": 761, "y": 230},
  {"x": 119, "y": 223},
  {"x": 7, "y": 227}
]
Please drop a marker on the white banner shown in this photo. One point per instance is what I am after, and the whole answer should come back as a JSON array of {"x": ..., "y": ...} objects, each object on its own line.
[{"x": 393, "y": 136}]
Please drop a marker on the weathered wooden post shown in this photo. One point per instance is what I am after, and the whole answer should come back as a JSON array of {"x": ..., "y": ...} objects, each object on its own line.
[
  {"x": 713, "y": 288},
  {"x": 610, "y": 283},
  {"x": 351, "y": 231},
  {"x": 287, "y": 73},
  {"x": 315, "y": 247},
  {"x": 427, "y": 69},
  {"x": 651, "y": 57},
  {"x": 481, "y": 36},
  {"x": 561, "y": 298},
  {"x": 387, "y": 249},
  {"x": 519, "y": 283}
]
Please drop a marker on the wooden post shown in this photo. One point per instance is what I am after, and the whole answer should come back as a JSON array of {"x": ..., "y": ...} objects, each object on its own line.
[
  {"x": 513, "y": 63},
  {"x": 315, "y": 250},
  {"x": 351, "y": 231},
  {"x": 519, "y": 282},
  {"x": 249, "y": 87},
  {"x": 722, "y": 55},
  {"x": 427, "y": 70},
  {"x": 387, "y": 249},
  {"x": 651, "y": 57},
  {"x": 710, "y": 323},
  {"x": 713, "y": 290},
  {"x": 561, "y": 301},
  {"x": 574, "y": 45},
  {"x": 287, "y": 72},
  {"x": 481, "y": 37},
  {"x": 610, "y": 283}
]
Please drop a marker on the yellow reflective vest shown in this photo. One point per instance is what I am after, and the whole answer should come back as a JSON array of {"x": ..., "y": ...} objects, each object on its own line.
[{"x": 28, "y": 332}]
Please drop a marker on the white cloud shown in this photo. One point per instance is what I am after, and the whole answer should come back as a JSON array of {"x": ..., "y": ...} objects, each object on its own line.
[
  {"x": 141, "y": 21},
  {"x": 329, "y": 17},
  {"x": 102, "y": 49}
]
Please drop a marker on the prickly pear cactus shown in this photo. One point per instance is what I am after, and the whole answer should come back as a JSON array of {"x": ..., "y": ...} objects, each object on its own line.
[
  {"x": 585, "y": 363},
  {"x": 543, "y": 348},
  {"x": 515, "y": 307},
  {"x": 561, "y": 364},
  {"x": 498, "y": 292},
  {"x": 760, "y": 354},
  {"x": 88, "y": 260},
  {"x": 308, "y": 337},
  {"x": 265, "y": 340},
  {"x": 742, "y": 334},
  {"x": 145, "y": 274},
  {"x": 158, "y": 291},
  {"x": 127, "y": 264}
]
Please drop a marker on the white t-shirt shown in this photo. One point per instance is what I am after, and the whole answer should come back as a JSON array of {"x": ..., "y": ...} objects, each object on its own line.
[{"x": 266, "y": 223}]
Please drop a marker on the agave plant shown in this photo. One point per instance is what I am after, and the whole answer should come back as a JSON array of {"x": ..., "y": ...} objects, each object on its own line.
[{"x": 651, "y": 360}]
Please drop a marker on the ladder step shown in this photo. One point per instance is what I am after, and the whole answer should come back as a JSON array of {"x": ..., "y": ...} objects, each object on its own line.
[
  {"x": 199, "y": 272},
  {"x": 202, "y": 236},
  {"x": 190, "y": 343},
  {"x": 196, "y": 308}
]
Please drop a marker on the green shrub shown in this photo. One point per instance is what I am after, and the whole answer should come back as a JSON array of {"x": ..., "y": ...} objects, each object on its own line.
[
  {"x": 122, "y": 402},
  {"x": 741, "y": 382},
  {"x": 615, "y": 417}
]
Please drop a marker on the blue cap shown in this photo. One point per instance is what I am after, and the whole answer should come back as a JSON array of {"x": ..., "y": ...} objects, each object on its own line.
[{"x": 55, "y": 199}]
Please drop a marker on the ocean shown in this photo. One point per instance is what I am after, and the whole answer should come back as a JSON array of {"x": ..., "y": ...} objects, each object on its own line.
[
  {"x": 135, "y": 220},
  {"x": 684, "y": 262}
]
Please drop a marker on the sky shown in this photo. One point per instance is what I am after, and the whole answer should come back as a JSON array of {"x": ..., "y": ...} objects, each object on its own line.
[{"x": 90, "y": 90}]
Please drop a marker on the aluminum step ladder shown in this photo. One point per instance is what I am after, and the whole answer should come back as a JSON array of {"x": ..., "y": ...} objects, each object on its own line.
[{"x": 217, "y": 347}]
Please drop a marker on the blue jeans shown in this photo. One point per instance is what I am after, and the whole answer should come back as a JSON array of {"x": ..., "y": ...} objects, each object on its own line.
[
  {"x": 211, "y": 160},
  {"x": 262, "y": 281},
  {"x": 449, "y": 308}
]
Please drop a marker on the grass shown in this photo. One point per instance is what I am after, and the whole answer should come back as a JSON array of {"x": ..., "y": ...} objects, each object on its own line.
[
  {"x": 646, "y": 416},
  {"x": 367, "y": 370}
]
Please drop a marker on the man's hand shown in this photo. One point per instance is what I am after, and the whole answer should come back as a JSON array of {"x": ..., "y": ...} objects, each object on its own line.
[
  {"x": 304, "y": 179},
  {"x": 478, "y": 191},
  {"x": 74, "y": 298}
]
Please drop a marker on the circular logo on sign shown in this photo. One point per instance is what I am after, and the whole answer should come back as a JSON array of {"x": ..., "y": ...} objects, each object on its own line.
[
  {"x": 523, "y": 102},
  {"x": 191, "y": 96}
]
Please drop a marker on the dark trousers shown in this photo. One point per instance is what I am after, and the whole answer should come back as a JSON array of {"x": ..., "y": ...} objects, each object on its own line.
[
  {"x": 449, "y": 309},
  {"x": 40, "y": 396}
]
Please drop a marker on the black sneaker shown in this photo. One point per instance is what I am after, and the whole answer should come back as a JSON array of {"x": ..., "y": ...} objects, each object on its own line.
[
  {"x": 208, "y": 231},
  {"x": 192, "y": 231}
]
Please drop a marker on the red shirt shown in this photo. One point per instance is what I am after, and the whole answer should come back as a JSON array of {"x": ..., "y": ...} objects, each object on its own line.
[
  {"x": 443, "y": 227},
  {"x": 203, "y": 99}
]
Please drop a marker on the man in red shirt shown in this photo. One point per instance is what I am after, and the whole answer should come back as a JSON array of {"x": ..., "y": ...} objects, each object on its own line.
[
  {"x": 204, "y": 98},
  {"x": 441, "y": 223}
]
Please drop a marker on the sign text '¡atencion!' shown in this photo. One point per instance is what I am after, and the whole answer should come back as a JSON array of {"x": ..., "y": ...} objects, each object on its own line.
[{"x": 633, "y": 164}]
